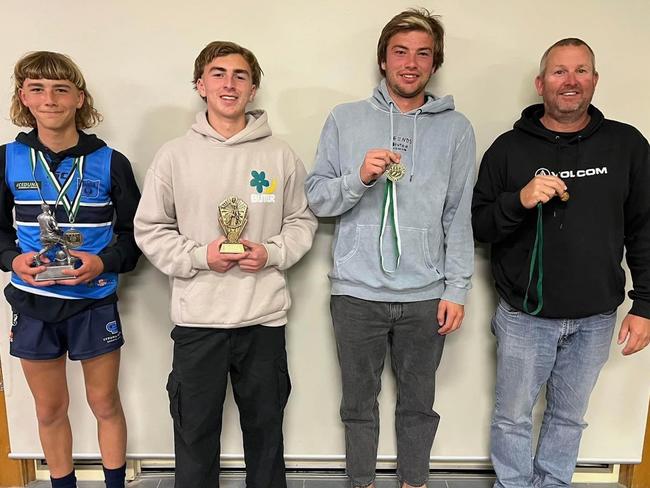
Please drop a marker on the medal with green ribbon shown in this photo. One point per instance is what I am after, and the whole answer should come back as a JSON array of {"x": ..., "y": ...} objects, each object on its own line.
[
  {"x": 72, "y": 237},
  {"x": 394, "y": 173}
]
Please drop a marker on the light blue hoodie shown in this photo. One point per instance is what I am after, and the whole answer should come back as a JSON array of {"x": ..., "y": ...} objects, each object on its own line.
[{"x": 434, "y": 199}]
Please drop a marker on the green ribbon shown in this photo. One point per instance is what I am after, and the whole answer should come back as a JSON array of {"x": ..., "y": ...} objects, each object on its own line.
[
  {"x": 536, "y": 258},
  {"x": 389, "y": 209},
  {"x": 71, "y": 208}
]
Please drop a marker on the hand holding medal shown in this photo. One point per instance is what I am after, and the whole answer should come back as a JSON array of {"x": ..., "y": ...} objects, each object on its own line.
[
  {"x": 376, "y": 163},
  {"x": 538, "y": 191},
  {"x": 541, "y": 189}
]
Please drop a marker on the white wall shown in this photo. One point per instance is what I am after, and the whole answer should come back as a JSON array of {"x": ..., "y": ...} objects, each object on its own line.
[{"x": 138, "y": 57}]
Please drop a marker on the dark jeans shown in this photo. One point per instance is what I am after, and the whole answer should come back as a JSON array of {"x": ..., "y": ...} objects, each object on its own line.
[
  {"x": 364, "y": 330},
  {"x": 256, "y": 360}
]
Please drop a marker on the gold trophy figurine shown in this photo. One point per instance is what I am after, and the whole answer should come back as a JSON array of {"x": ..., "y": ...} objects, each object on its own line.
[{"x": 233, "y": 217}]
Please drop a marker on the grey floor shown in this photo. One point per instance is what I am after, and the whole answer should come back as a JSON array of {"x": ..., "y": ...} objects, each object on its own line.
[{"x": 298, "y": 480}]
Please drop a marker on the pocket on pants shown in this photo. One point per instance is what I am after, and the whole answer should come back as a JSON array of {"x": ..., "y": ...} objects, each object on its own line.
[
  {"x": 174, "y": 393},
  {"x": 284, "y": 383}
]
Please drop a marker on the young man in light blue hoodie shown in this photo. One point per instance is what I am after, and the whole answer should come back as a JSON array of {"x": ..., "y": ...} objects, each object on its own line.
[{"x": 397, "y": 171}]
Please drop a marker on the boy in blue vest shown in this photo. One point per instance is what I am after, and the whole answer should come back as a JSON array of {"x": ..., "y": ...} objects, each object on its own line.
[{"x": 89, "y": 192}]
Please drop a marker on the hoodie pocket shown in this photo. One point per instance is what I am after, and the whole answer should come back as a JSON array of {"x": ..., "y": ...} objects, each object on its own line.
[{"x": 360, "y": 259}]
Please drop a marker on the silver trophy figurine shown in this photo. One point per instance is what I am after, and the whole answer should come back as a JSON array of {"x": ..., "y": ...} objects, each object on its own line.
[{"x": 51, "y": 238}]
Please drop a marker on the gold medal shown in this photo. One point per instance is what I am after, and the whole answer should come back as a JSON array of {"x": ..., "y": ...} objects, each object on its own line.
[
  {"x": 395, "y": 172},
  {"x": 565, "y": 196},
  {"x": 73, "y": 238}
]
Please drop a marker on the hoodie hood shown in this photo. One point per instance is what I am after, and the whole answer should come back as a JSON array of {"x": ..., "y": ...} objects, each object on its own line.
[
  {"x": 87, "y": 144},
  {"x": 530, "y": 122},
  {"x": 257, "y": 127},
  {"x": 382, "y": 100},
  {"x": 432, "y": 104}
]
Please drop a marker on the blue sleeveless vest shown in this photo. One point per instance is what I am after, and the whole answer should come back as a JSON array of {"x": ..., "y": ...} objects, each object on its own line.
[{"x": 94, "y": 219}]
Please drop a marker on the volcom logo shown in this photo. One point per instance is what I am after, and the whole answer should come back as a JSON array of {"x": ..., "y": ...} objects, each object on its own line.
[{"x": 577, "y": 173}]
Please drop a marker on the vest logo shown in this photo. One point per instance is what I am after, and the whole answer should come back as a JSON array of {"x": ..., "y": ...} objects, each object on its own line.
[
  {"x": 90, "y": 188},
  {"x": 112, "y": 327},
  {"x": 264, "y": 189},
  {"x": 27, "y": 185},
  {"x": 573, "y": 173}
]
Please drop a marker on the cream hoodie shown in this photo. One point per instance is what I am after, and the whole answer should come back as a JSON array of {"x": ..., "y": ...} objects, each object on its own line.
[{"x": 178, "y": 217}]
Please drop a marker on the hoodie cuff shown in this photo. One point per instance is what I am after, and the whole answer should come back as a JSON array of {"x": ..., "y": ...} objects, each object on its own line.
[
  {"x": 7, "y": 259},
  {"x": 454, "y": 294},
  {"x": 353, "y": 184},
  {"x": 274, "y": 256},
  {"x": 199, "y": 257},
  {"x": 512, "y": 207},
  {"x": 640, "y": 308},
  {"x": 110, "y": 260}
]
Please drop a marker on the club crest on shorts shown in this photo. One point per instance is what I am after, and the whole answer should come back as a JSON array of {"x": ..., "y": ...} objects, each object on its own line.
[{"x": 112, "y": 327}]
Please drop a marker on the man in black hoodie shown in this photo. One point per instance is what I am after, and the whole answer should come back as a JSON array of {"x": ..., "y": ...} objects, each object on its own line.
[{"x": 559, "y": 197}]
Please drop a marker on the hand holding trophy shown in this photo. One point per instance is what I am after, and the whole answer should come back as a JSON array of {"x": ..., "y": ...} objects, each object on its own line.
[{"x": 233, "y": 217}]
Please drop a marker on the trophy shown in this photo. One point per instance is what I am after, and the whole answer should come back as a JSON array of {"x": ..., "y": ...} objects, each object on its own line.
[
  {"x": 53, "y": 239},
  {"x": 233, "y": 217}
]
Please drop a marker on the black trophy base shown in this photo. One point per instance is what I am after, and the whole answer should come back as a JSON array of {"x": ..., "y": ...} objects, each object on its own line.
[{"x": 54, "y": 272}]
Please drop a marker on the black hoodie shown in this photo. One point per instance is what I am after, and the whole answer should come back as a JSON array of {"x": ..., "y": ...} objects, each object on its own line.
[
  {"x": 606, "y": 167},
  {"x": 121, "y": 256}
]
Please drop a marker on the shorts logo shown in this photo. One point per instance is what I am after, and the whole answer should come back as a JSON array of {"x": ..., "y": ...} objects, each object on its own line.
[
  {"x": 27, "y": 185},
  {"x": 112, "y": 327},
  {"x": 264, "y": 188}
]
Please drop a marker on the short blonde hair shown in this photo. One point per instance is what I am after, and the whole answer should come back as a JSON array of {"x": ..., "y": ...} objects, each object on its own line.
[{"x": 48, "y": 65}]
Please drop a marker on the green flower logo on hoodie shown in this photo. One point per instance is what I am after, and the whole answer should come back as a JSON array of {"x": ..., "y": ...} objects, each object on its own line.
[{"x": 259, "y": 181}]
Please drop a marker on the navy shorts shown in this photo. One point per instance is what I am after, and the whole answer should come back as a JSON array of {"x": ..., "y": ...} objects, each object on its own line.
[{"x": 88, "y": 334}]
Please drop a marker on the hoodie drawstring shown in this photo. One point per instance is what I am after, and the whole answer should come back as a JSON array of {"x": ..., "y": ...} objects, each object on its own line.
[{"x": 415, "y": 138}]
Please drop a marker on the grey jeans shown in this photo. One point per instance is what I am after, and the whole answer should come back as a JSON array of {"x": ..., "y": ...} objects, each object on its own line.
[{"x": 364, "y": 330}]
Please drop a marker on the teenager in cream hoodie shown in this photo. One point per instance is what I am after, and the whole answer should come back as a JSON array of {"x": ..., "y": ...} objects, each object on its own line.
[{"x": 229, "y": 309}]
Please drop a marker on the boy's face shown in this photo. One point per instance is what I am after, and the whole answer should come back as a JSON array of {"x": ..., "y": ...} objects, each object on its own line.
[
  {"x": 408, "y": 65},
  {"x": 227, "y": 85},
  {"x": 53, "y": 103}
]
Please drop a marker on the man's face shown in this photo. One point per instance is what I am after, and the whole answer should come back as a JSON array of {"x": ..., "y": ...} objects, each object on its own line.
[
  {"x": 53, "y": 103},
  {"x": 568, "y": 83},
  {"x": 227, "y": 85},
  {"x": 408, "y": 65}
]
